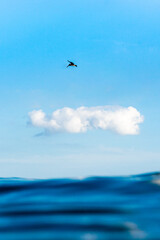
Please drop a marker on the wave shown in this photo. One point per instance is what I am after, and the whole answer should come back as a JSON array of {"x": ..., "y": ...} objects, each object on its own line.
[{"x": 87, "y": 209}]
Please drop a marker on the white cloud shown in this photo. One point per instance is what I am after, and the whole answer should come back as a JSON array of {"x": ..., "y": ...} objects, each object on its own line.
[{"x": 118, "y": 119}]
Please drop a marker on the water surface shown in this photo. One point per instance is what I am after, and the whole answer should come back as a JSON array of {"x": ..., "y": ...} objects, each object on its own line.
[{"x": 88, "y": 209}]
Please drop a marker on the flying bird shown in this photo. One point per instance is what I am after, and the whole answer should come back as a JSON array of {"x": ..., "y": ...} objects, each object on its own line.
[{"x": 71, "y": 64}]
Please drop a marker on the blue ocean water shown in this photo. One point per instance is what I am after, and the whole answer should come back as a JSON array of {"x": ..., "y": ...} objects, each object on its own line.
[{"x": 80, "y": 209}]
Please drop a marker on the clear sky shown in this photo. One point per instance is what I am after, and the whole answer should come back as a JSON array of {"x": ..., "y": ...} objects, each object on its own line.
[{"x": 116, "y": 45}]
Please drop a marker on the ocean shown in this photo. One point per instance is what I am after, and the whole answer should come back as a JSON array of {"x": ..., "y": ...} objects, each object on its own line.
[{"x": 94, "y": 208}]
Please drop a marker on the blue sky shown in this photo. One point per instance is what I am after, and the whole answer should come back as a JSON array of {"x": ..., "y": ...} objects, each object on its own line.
[{"x": 116, "y": 45}]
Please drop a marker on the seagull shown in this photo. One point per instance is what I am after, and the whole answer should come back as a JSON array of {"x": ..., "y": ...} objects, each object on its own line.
[{"x": 71, "y": 64}]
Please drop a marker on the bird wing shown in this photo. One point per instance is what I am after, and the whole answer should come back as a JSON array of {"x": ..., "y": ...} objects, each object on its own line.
[{"x": 70, "y": 62}]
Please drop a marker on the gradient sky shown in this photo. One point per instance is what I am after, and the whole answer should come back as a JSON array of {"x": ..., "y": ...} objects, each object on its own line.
[{"x": 116, "y": 45}]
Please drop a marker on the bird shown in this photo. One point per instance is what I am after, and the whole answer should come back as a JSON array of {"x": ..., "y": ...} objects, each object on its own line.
[{"x": 71, "y": 64}]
